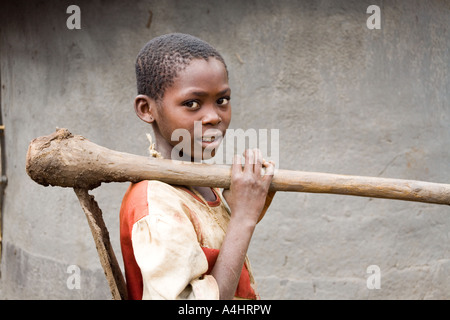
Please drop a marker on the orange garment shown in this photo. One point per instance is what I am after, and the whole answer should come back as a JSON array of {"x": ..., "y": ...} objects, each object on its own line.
[{"x": 170, "y": 240}]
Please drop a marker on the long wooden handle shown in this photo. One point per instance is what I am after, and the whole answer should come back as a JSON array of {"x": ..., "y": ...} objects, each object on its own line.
[
  {"x": 410, "y": 190},
  {"x": 62, "y": 159},
  {"x": 105, "y": 250}
]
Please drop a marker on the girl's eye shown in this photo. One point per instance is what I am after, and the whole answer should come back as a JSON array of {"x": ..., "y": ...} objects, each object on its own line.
[
  {"x": 223, "y": 101},
  {"x": 192, "y": 104}
]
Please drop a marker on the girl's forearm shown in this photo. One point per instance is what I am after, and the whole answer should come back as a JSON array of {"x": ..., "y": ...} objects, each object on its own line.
[{"x": 228, "y": 267}]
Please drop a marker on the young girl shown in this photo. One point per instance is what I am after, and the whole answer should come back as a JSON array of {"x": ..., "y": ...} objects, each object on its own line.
[{"x": 182, "y": 242}]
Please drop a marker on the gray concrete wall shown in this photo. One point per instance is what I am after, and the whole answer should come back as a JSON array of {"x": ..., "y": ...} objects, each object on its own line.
[{"x": 346, "y": 99}]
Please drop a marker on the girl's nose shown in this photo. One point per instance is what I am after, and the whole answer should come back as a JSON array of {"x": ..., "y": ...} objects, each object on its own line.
[{"x": 211, "y": 116}]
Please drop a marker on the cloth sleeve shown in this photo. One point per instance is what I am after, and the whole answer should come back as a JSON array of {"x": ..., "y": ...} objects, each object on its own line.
[{"x": 172, "y": 263}]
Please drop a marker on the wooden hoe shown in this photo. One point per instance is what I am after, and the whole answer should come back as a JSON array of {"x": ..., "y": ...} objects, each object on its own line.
[{"x": 66, "y": 160}]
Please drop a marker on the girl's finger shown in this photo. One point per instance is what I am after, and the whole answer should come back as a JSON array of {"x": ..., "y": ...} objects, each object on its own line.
[
  {"x": 269, "y": 172},
  {"x": 258, "y": 161},
  {"x": 236, "y": 168},
  {"x": 249, "y": 161}
]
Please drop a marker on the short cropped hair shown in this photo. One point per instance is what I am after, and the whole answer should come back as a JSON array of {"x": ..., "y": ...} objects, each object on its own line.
[{"x": 160, "y": 60}]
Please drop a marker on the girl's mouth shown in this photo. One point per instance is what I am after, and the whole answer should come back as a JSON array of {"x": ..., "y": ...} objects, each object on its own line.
[
  {"x": 211, "y": 141},
  {"x": 211, "y": 136},
  {"x": 208, "y": 139}
]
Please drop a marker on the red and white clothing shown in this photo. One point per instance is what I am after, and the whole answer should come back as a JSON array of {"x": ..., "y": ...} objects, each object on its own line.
[{"x": 170, "y": 240}]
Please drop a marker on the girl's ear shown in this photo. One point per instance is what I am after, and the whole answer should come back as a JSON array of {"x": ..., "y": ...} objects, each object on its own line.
[{"x": 145, "y": 108}]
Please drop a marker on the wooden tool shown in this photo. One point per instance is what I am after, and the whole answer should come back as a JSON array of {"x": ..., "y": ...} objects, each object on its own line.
[{"x": 62, "y": 159}]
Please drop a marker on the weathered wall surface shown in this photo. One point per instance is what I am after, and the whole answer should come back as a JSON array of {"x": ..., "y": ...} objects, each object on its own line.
[{"x": 346, "y": 99}]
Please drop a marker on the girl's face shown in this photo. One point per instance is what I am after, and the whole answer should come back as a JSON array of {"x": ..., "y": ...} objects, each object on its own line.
[{"x": 199, "y": 95}]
